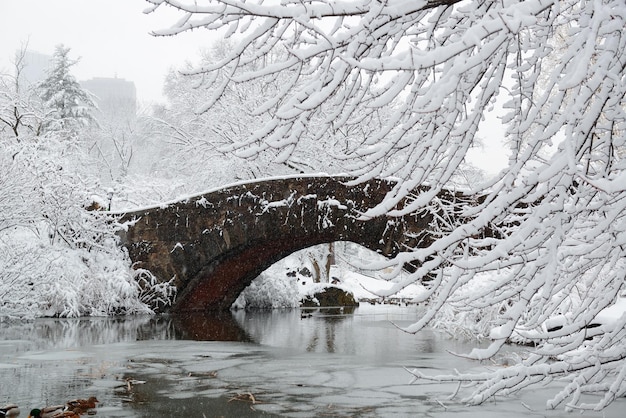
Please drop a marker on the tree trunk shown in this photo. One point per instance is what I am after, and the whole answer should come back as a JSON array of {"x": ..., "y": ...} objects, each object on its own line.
[{"x": 330, "y": 259}]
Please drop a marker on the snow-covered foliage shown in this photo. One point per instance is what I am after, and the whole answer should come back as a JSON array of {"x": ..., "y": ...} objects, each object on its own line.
[
  {"x": 43, "y": 279},
  {"x": 269, "y": 292},
  {"x": 195, "y": 134},
  {"x": 70, "y": 107},
  {"x": 551, "y": 223},
  {"x": 21, "y": 110},
  {"x": 57, "y": 258}
]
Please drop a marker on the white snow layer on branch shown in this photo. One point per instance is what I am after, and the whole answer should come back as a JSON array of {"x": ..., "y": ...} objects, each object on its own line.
[{"x": 547, "y": 237}]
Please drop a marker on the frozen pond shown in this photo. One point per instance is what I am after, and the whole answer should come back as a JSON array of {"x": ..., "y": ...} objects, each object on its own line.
[{"x": 274, "y": 363}]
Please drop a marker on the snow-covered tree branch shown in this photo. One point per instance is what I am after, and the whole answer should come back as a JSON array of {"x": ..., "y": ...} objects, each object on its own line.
[
  {"x": 552, "y": 70},
  {"x": 197, "y": 137},
  {"x": 21, "y": 111}
]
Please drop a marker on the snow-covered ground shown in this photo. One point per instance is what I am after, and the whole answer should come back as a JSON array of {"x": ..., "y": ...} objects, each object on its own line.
[
  {"x": 362, "y": 287},
  {"x": 286, "y": 283}
]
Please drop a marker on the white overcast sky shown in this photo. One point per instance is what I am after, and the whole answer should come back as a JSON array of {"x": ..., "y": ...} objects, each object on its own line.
[{"x": 111, "y": 38}]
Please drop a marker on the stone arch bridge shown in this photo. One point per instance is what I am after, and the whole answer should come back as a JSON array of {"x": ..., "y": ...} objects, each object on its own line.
[{"x": 215, "y": 244}]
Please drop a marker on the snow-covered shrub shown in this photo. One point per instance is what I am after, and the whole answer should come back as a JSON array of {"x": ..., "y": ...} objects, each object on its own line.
[
  {"x": 43, "y": 278},
  {"x": 153, "y": 292},
  {"x": 56, "y": 257},
  {"x": 269, "y": 292}
]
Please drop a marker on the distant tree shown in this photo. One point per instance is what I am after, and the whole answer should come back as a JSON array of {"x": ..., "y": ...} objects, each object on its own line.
[
  {"x": 70, "y": 105},
  {"x": 555, "y": 69},
  {"x": 20, "y": 110},
  {"x": 200, "y": 134}
]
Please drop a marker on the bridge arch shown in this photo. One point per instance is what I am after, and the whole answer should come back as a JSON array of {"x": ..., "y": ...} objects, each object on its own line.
[{"x": 214, "y": 244}]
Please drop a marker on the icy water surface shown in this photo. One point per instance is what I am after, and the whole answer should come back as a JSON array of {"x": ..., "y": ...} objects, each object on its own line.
[{"x": 248, "y": 364}]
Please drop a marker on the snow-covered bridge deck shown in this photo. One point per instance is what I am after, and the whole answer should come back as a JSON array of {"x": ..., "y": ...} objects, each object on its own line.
[{"x": 215, "y": 244}]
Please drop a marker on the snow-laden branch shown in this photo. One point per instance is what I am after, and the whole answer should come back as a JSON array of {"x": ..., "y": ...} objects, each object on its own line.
[
  {"x": 408, "y": 85},
  {"x": 229, "y": 9}
]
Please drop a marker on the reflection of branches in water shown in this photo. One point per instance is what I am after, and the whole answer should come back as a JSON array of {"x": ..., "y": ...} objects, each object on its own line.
[
  {"x": 330, "y": 337},
  {"x": 51, "y": 333},
  {"x": 323, "y": 327},
  {"x": 65, "y": 333},
  {"x": 313, "y": 342},
  {"x": 315, "y": 329},
  {"x": 263, "y": 324}
]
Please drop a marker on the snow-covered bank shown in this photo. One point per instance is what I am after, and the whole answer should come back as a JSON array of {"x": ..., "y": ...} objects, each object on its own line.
[
  {"x": 41, "y": 278},
  {"x": 285, "y": 284}
]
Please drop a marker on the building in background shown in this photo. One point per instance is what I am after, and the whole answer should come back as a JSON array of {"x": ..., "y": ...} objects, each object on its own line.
[
  {"x": 116, "y": 98},
  {"x": 35, "y": 67}
]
